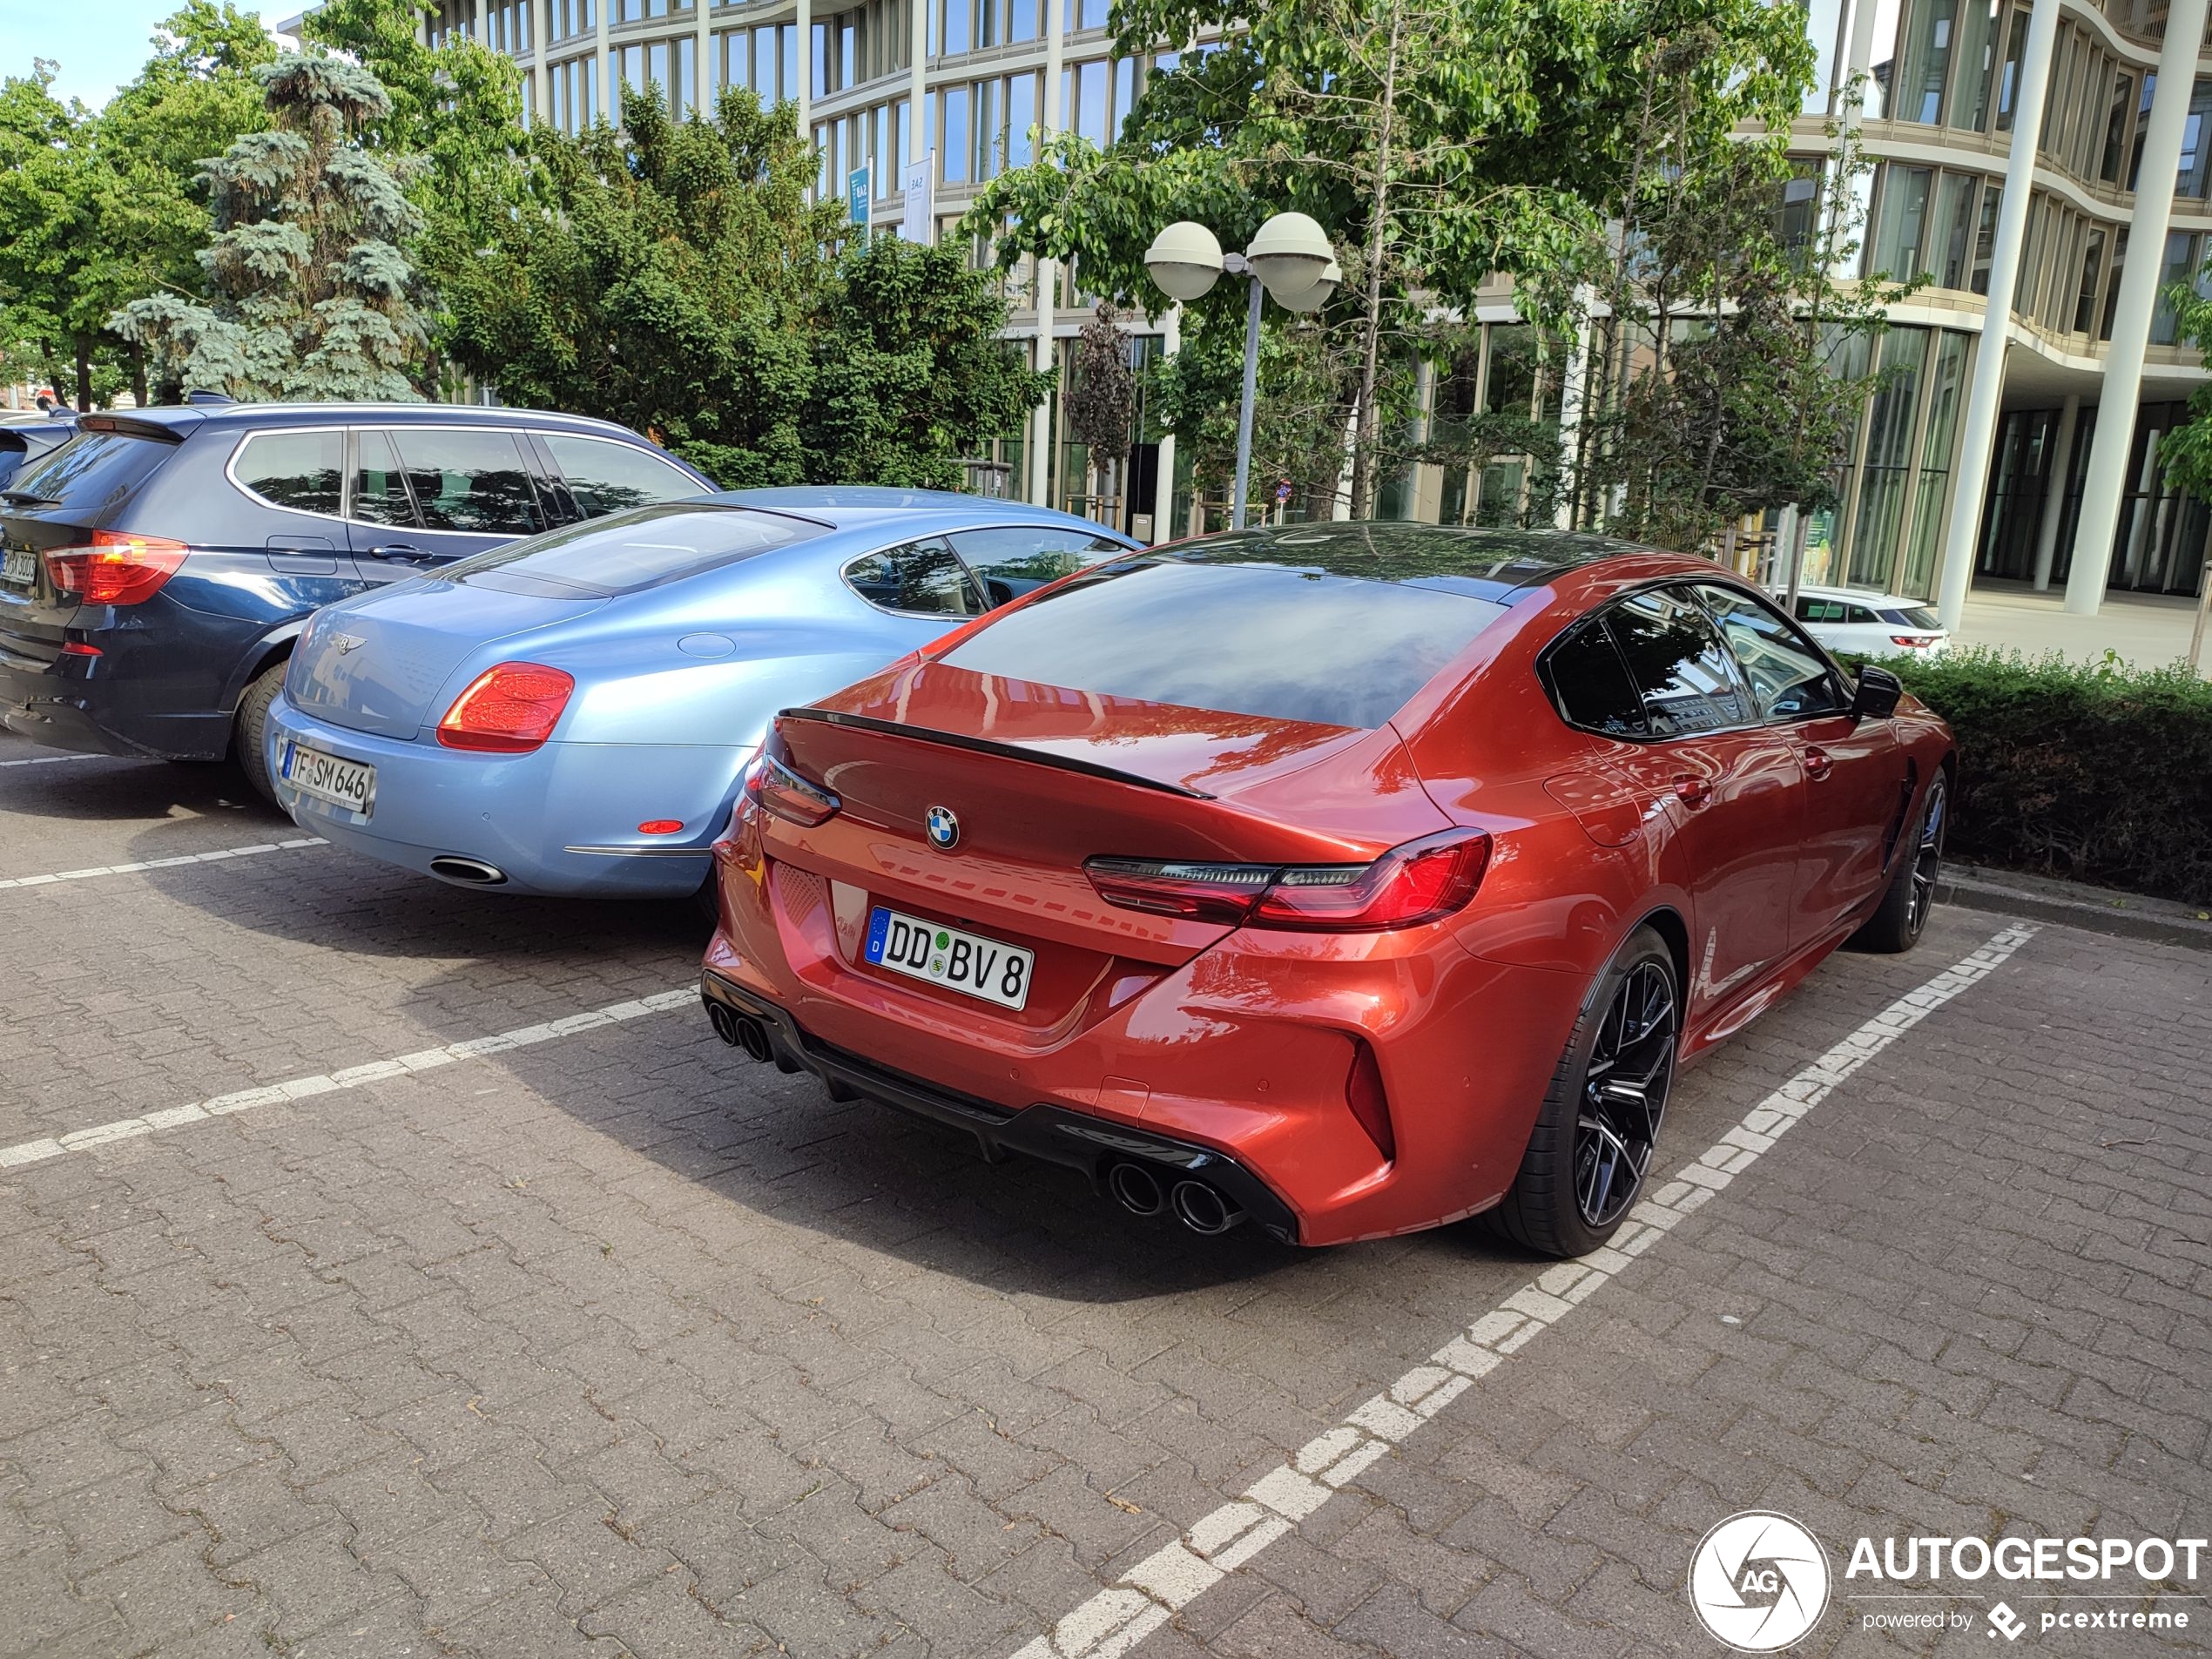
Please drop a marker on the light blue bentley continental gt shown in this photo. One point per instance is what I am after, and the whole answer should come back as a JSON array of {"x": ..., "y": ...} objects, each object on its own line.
[{"x": 572, "y": 713}]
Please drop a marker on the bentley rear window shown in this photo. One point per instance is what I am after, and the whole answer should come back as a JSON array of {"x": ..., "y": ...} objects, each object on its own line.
[
  {"x": 624, "y": 552},
  {"x": 1274, "y": 640}
]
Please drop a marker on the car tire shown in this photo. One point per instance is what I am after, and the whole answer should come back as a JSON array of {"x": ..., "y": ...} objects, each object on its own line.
[
  {"x": 1593, "y": 1133},
  {"x": 1899, "y": 919},
  {"x": 253, "y": 731}
]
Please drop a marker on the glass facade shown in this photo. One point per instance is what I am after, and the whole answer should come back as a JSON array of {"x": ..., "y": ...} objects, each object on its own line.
[{"x": 1942, "y": 91}]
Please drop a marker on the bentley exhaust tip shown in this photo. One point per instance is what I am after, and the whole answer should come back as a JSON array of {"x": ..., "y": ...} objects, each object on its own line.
[
  {"x": 474, "y": 871},
  {"x": 1203, "y": 1209},
  {"x": 739, "y": 1030},
  {"x": 1136, "y": 1188}
]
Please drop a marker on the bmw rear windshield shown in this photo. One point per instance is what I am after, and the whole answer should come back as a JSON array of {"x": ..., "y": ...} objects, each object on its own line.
[
  {"x": 90, "y": 473},
  {"x": 1275, "y": 639},
  {"x": 629, "y": 552}
]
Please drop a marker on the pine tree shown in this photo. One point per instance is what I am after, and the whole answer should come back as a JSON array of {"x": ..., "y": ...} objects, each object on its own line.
[{"x": 314, "y": 300}]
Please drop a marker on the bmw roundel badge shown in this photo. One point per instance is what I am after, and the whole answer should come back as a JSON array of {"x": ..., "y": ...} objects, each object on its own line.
[{"x": 944, "y": 829}]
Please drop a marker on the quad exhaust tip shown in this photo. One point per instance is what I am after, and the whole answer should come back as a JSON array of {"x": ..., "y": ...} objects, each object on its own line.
[
  {"x": 739, "y": 1030},
  {"x": 474, "y": 871},
  {"x": 1136, "y": 1188},
  {"x": 1198, "y": 1205},
  {"x": 1203, "y": 1209}
]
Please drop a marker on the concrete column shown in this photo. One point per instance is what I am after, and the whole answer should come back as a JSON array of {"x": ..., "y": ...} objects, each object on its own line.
[
  {"x": 1163, "y": 468},
  {"x": 805, "y": 90},
  {"x": 610, "y": 107},
  {"x": 1424, "y": 400},
  {"x": 2061, "y": 462},
  {"x": 541, "y": 16},
  {"x": 2101, "y": 487},
  {"x": 1963, "y": 531},
  {"x": 702, "y": 66},
  {"x": 1055, "y": 14},
  {"x": 917, "y": 101},
  {"x": 479, "y": 22}
]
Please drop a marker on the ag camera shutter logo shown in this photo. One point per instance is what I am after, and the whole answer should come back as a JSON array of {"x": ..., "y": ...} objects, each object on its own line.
[{"x": 1758, "y": 1581}]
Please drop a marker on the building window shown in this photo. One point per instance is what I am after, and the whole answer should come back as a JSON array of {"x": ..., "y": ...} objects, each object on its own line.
[
  {"x": 1900, "y": 221},
  {"x": 1924, "y": 64},
  {"x": 2119, "y": 119},
  {"x": 1976, "y": 58},
  {"x": 2092, "y": 261}
]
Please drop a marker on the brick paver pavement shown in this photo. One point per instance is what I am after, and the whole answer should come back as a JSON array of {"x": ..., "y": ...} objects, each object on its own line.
[{"x": 610, "y": 1344}]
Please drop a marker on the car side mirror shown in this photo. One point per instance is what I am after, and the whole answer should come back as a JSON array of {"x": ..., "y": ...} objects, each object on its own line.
[{"x": 1877, "y": 694}]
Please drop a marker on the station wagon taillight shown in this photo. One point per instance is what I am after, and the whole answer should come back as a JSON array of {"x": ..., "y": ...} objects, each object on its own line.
[
  {"x": 116, "y": 567},
  {"x": 1418, "y": 882},
  {"x": 509, "y": 709}
]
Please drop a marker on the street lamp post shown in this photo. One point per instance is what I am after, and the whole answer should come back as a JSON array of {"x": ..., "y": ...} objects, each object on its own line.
[{"x": 1290, "y": 259}]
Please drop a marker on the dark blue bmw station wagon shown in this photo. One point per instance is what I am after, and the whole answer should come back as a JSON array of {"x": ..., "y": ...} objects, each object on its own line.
[{"x": 156, "y": 568}]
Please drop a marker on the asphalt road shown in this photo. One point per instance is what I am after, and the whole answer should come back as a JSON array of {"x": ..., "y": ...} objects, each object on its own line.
[{"x": 328, "y": 1327}]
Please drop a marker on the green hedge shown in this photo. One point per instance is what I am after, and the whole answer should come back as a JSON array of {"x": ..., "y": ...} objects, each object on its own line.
[{"x": 2101, "y": 773}]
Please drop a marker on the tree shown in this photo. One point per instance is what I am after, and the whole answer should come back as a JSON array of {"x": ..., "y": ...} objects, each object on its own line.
[
  {"x": 1721, "y": 383},
  {"x": 454, "y": 128},
  {"x": 313, "y": 298},
  {"x": 97, "y": 208},
  {"x": 1438, "y": 141},
  {"x": 196, "y": 95},
  {"x": 681, "y": 283},
  {"x": 1101, "y": 402},
  {"x": 47, "y": 236}
]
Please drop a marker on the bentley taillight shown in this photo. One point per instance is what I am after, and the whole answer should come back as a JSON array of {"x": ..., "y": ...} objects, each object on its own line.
[{"x": 509, "y": 709}]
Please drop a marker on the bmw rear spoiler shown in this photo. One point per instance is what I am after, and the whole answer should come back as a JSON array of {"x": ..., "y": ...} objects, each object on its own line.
[{"x": 985, "y": 747}]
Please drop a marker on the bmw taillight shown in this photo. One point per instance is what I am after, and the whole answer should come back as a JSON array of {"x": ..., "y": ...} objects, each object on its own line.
[
  {"x": 774, "y": 787},
  {"x": 509, "y": 709},
  {"x": 116, "y": 567},
  {"x": 1418, "y": 882}
]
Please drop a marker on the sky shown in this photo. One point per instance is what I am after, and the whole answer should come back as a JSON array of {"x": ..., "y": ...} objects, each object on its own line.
[{"x": 97, "y": 44}]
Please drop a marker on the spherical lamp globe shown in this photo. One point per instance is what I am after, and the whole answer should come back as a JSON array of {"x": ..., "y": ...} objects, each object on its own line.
[
  {"x": 1314, "y": 298},
  {"x": 1184, "y": 261},
  {"x": 1289, "y": 255}
]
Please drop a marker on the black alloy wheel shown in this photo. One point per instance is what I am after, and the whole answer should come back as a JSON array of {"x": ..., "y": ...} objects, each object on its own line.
[
  {"x": 1625, "y": 1084},
  {"x": 1927, "y": 858}
]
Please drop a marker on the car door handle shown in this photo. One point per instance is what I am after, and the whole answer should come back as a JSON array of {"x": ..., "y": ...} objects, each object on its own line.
[
  {"x": 1695, "y": 791},
  {"x": 1818, "y": 763},
  {"x": 397, "y": 551}
]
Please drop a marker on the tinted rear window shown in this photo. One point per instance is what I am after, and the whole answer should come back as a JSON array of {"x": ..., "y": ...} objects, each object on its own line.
[
  {"x": 1913, "y": 616},
  {"x": 640, "y": 548},
  {"x": 93, "y": 470},
  {"x": 1270, "y": 640}
]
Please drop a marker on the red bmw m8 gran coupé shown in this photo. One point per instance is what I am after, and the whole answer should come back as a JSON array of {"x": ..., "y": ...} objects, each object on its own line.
[{"x": 1349, "y": 877}]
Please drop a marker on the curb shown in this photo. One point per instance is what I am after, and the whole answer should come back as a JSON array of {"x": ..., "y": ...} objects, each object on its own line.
[{"x": 2104, "y": 914}]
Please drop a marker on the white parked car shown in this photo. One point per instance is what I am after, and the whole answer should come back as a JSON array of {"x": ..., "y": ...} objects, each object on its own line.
[{"x": 1871, "y": 624}]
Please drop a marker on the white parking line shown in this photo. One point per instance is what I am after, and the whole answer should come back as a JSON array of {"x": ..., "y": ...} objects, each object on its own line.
[
  {"x": 216, "y": 856},
  {"x": 127, "y": 1128},
  {"x": 53, "y": 760},
  {"x": 1116, "y": 1620}
]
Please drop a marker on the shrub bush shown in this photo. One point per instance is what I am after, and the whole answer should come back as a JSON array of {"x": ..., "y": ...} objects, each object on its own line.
[{"x": 2101, "y": 773}]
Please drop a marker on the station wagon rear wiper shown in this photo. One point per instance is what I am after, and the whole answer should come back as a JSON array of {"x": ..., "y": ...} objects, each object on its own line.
[{"x": 24, "y": 497}]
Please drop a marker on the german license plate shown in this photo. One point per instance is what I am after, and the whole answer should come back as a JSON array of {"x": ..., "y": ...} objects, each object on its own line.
[
  {"x": 19, "y": 567},
  {"x": 327, "y": 776},
  {"x": 937, "y": 954}
]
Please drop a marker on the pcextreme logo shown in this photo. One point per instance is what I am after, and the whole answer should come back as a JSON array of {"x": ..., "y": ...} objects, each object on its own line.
[{"x": 1758, "y": 1581}]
